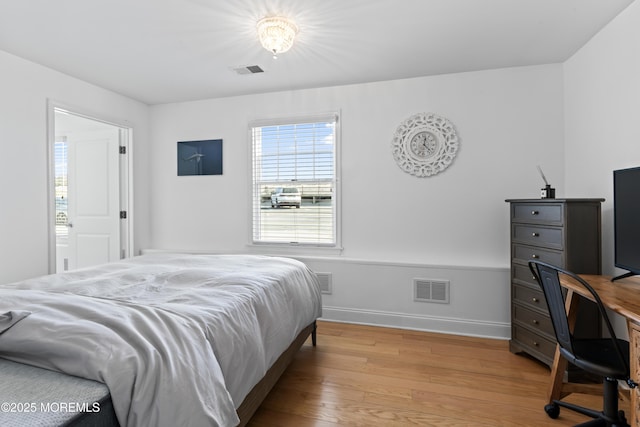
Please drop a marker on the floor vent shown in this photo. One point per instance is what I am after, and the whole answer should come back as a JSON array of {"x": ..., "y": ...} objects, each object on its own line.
[
  {"x": 325, "y": 282},
  {"x": 249, "y": 69},
  {"x": 426, "y": 290}
]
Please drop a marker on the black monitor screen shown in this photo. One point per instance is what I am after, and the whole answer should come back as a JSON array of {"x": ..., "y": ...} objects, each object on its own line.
[{"x": 626, "y": 205}]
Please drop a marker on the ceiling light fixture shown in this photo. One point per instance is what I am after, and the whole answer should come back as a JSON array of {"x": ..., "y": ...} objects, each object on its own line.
[{"x": 276, "y": 34}]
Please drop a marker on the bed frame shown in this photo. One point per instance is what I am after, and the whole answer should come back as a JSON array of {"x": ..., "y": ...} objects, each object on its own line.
[
  {"x": 259, "y": 392},
  {"x": 107, "y": 417}
]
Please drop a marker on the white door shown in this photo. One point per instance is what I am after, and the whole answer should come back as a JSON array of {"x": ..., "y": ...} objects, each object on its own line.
[{"x": 92, "y": 200}]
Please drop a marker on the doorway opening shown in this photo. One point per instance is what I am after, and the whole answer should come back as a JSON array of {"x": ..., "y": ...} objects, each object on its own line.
[{"x": 89, "y": 191}]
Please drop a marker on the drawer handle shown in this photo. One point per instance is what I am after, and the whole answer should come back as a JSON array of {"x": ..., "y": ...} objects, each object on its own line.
[
  {"x": 535, "y": 322},
  {"x": 535, "y": 344},
  {"x": 534, "y": 234},
  {"x": 534, "y": 256},
  {"x": 534, "y": 212},
  {"x": 534, "y": 299}
]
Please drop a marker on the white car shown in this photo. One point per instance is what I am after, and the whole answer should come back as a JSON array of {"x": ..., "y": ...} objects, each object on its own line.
[{"x": 286, "y": 196}]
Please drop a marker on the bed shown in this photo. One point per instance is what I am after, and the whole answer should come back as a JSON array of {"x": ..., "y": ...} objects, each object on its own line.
[{"x": 158, "y": 339}]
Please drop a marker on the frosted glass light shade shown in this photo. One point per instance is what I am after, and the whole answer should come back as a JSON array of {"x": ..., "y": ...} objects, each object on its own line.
[{"x": 276, "y": 34}]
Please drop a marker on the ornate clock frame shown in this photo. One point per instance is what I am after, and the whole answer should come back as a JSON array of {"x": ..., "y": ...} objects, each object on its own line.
[{"x": 424, "y": 144}]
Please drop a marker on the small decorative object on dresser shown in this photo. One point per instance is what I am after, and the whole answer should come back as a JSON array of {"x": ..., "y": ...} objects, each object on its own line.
[
  {"x": 547, "y": 192},
  {"x": 562, "y": 232}
]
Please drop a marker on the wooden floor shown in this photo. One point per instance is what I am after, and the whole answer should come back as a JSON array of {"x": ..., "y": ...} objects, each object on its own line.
[{"x": 371, "y": 376}]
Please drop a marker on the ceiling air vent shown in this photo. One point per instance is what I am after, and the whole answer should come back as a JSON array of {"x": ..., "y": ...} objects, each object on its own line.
[
  {"x": 427, "y": 290},
  {"x": 249, "y": 69}
]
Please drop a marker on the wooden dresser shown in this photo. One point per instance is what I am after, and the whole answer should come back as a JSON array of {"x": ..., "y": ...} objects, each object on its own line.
[{"x": 562, "y": 232}]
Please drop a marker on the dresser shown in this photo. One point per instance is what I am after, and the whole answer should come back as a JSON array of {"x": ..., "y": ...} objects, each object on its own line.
[{"x": 562, "y": 232}]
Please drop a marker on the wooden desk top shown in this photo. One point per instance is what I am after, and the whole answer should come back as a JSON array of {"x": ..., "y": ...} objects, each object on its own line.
[{"x": 621, "y": 296}]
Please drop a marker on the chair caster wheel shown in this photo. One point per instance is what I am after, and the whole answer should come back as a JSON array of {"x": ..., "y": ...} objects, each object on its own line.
[
  {"x": 552, "y": 410},
  {"x": 622, "y": 419}
]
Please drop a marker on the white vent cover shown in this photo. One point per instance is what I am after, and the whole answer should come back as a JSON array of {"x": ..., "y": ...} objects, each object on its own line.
[
  {"x": 325, "y": 282},
  {"x": 248, "y": 69},
  {"x": 428, "y": 290}
]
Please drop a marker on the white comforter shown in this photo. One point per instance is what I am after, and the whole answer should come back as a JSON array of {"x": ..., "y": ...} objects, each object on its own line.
[{"x": 179, "y": 339}]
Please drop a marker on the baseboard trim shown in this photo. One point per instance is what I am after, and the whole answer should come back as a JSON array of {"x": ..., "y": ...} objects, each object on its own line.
[{"x": 444, "y": 325}]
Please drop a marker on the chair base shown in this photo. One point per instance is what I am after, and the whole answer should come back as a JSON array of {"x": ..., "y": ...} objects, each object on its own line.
[
  {"x": 609, "y": 417},
  {"x": 553, "y": 411}
]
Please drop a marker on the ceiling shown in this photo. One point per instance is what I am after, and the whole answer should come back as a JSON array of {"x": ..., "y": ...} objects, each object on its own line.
[{"x": 160, "y": 51}]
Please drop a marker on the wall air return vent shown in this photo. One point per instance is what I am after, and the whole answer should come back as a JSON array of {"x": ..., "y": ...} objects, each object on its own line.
[
  {"x": 248, "y": 69},
  {"x": 428, "y": 290},
  {"x": 326, "y": 285}
]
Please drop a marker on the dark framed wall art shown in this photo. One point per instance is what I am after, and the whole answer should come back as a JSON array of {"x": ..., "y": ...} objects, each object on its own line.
[{"x": 200, "y": 157}]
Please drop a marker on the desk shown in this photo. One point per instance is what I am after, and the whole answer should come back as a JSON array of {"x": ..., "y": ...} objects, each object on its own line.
[{"x": 622, "y": 297}]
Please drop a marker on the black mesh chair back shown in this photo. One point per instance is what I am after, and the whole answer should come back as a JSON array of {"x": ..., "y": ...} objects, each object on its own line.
[
  {"x": 605, "y": 357},
  {"x": 549, "y": 280}
]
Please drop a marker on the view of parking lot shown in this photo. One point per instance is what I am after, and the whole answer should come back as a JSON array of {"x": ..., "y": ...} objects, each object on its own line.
[
  {"x": 61, "y": 186},
  {"x": 311, "y": 223}
]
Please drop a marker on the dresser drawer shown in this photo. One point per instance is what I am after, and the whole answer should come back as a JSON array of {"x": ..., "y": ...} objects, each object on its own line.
[
  {"x": 522, "y": 274},
  {"x": 533, "y": 298},
  {"x": 550, "y": 237},
  {"x": 526, "y": 253},
  {"x": 536, "y": 343},
  {"x": 533, "y": 319},
  {"x": 538, "y": 213}
]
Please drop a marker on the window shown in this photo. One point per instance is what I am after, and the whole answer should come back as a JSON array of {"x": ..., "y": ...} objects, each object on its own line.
[
  {"x": 61, "y": 154},
  {"x": 294, "y": 181}
]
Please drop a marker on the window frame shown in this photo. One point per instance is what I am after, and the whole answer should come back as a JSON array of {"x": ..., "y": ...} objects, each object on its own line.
[{"x": 299, "y": 247}]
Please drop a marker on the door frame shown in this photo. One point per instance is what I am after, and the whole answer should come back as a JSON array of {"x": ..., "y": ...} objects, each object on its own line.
[{"x": 126, "y": 177}]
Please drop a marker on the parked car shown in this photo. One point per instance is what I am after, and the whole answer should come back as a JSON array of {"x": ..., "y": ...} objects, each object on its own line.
[{"x": 286, "y": 196}]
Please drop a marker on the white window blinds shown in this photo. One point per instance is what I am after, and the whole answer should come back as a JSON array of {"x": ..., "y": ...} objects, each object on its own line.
[{"x": 294, "y": 177}]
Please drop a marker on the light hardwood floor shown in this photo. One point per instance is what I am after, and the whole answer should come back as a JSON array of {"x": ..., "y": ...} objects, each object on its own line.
[{"x": 372, "y": 376}]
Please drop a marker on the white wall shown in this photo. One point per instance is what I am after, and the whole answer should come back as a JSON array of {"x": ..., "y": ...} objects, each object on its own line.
[
  {"x": 576, "y": 120},
  {"x": 602, "y": 105},
  {"x": 454, "y": 225},
  {"x": 25, "y": 88},
  {"x": 602, "y": 110}
]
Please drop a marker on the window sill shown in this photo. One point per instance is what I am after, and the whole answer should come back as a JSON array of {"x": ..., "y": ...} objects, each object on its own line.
[{"x": 291, "y": 250}]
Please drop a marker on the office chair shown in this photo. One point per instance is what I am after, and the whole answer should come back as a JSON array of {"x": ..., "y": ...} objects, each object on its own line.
[{"x": 604, "y": 357}]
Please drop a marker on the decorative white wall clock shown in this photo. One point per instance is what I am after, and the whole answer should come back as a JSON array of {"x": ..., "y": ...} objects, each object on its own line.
[{"x": 424, "y": 144}]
